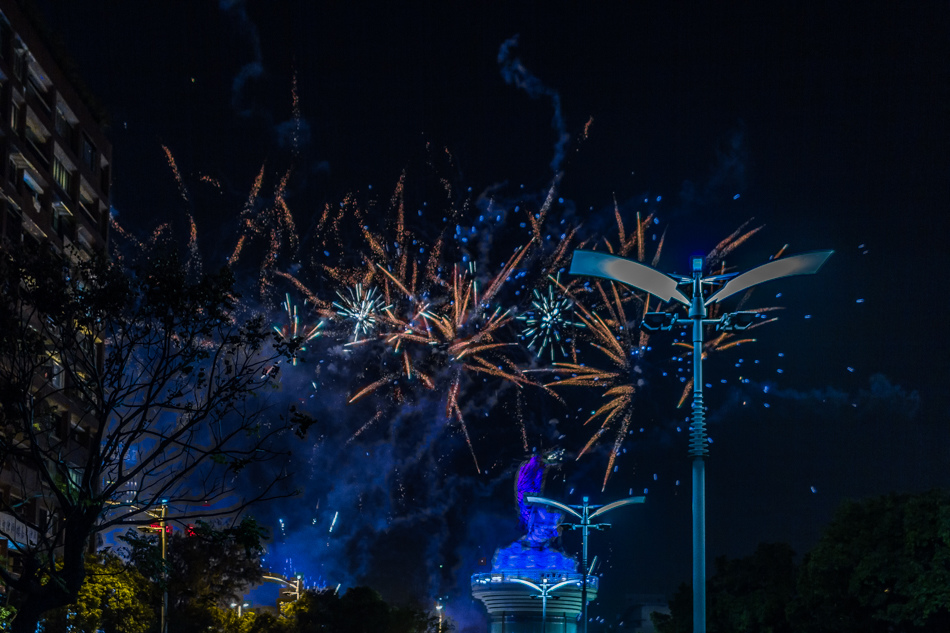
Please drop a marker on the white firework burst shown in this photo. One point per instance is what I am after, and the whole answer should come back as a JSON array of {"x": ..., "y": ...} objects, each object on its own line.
[
  {"x": 548, "y": 322},
  {"x": 361, "y": 308}
]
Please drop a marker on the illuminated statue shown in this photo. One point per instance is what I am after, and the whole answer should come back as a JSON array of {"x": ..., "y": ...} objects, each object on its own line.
[{"x": 538, "y": 550}]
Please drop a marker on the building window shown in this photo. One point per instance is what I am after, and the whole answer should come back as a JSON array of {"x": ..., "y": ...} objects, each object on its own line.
[
  {"x": 87, "y": 202},
  {"x": 19, "y": 63},
  {"x": 16, "y": 112},
  {"x": 63, "y": 176},
  {"x": 33, "y": 189},
  {"x": 88, "y": 154},
  {"x": 63, "y": 223},
  {"x": 4, "y": 38},
  {"x": 64, "y": 128},
  {"x": 13, "y": 227},
  {"x": 36, "y": 89},
  {"x": 104, "y": 180},
  {"x": 54, "y": 373},
  {"x": 36, "y": 137}
]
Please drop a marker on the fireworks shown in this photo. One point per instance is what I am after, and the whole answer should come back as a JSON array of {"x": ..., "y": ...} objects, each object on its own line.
[
  {"x": 612, "y": 327},
  {"x": 548, "y": 322},
  {"x": 292, "y": 334},
  {"x": 439, "y": 346},
  {"x": 182, "y": 190},
  {"x": 361, "y": 308},
  {"x": 426, "y": 321},
  {"x": 615, "y": 334}
]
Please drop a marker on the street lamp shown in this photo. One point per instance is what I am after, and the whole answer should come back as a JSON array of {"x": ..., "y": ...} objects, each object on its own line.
[
  {"x": 664, "y": 286},
  {"x": 438, "y": 607},
  {"x": 544, "y": 590},
  {"x": 283, "y": 596},
  {"x": 295, "y": 584},
  {"x": 585, "y": 515},
  {"x": 161, "y": 528}
]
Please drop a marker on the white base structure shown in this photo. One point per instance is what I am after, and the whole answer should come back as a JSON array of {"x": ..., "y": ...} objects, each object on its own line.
[{"x": 533, "y": 601}]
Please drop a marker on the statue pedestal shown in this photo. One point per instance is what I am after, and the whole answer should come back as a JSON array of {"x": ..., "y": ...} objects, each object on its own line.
[{"x": 517, "y": 608}]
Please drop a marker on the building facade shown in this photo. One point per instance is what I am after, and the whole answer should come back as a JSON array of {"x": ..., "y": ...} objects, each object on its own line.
[
  {"x": 55, "y": 176},
  {"x": 56, "y": 162}
]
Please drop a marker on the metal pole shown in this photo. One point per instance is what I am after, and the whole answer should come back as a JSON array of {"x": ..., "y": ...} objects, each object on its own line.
[
  {"x": 544, "y": 605},
  {"x": 164, "y": 622},
  {"x": 585, "y": 522},
  {"x": 698, "y": 450}
]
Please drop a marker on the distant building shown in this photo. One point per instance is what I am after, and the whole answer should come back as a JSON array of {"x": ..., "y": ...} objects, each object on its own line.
[
  {"x": 55, "y": 171},
  {"x": 638, "y": 607},
  {"x": 56, "y": 161}
]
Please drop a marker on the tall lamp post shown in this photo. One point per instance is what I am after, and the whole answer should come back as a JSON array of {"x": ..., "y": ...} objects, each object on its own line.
[
  {"x": 664, "y": 286},
  {"x": 585, "y": 515},
  {"x": 162, "y": 528}
]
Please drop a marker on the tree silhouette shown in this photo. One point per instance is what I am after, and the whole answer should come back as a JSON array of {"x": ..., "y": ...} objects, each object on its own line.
[{"x": 122, "y": 386}]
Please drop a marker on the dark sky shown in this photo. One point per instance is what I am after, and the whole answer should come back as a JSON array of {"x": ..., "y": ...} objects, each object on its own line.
[{"x": 829, "y": 120}]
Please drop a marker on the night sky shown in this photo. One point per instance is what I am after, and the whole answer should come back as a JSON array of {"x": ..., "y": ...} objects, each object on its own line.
[{"x": 826, "y": 122}]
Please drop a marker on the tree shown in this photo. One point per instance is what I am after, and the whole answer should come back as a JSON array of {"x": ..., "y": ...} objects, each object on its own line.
[
  {"x": 114, "y": 598},
  {"x": 745, "y": 595},
  {"x": 359, "y": 610},
  {"x": 121, "y": 385},
  {"x": 206, "y": 570},
  {"x": 882, "y": 565}
]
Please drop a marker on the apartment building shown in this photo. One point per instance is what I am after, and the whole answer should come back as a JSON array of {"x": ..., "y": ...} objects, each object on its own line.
[
  {"x": 55, "y": 171},
  {"x": 56, "y": 166}
]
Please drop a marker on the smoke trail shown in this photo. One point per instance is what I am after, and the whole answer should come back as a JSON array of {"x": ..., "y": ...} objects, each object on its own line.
[
  {"x": 252, "y": 70},
  {"x": 514, "y": 72}
]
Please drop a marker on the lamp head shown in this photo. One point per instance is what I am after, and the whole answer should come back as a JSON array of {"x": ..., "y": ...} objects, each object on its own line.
[
  {"x": 654, "y": 321},
  {"x": 736, "y": 321},
  {"x": 696, "y": 263}
]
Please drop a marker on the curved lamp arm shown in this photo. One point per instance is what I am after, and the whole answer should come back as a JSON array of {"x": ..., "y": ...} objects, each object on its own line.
[
  {"x": 803, "y": 264},
  {"x": 616, "y": 504},
  {"x": 596, "y": 264},
  {"x": 556, "y": 504}
]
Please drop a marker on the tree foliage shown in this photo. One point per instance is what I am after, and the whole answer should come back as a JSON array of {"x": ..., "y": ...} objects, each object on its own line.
[
  {"x": 881, "y": 566},
  {"x": 205, "y": 571},
  {"x": 745, "y": 594},
  {"x": 114, "y": 598},
  {"x": 359, "y": 610},
  {"x": 121, "y": 385}
]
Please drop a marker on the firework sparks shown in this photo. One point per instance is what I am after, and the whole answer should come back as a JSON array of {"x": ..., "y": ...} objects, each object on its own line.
[
  {"x": 612, "y": 327},
  {"x": 182, "y": 190},
  {"x": 210, "y": 180},
  {"x": 615, "y": 334},
  {"x": 439, "y": 324},
  {"x": 293, "y": 334},
  {"x": 363, "y": 309},
  {"x": 547, "y": 323},
  {"x": 462, "y": 336}
]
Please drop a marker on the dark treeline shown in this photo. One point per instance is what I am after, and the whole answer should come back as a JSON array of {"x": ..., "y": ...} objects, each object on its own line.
[{"x": 881, "y": 566}]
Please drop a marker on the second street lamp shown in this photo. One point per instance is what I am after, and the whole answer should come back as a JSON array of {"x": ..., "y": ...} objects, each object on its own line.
[
  {"x": 544, "y": 589},
  {"x": 585, "y": 515},
  {"x": 664, "y": 286}
]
